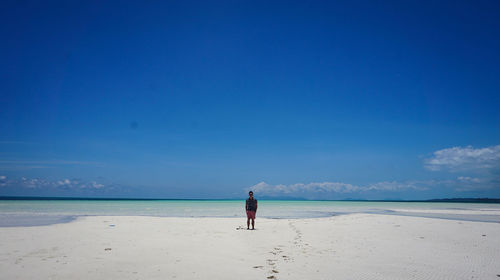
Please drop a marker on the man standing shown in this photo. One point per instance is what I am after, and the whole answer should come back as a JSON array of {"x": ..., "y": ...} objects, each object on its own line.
[{"x": 251, "y": 208}]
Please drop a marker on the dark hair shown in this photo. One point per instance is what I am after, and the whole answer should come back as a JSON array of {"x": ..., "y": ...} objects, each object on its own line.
[{"x": 250, "y": 192}]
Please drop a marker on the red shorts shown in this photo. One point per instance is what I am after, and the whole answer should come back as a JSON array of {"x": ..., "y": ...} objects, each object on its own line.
[{"x": 251, "y": 215}]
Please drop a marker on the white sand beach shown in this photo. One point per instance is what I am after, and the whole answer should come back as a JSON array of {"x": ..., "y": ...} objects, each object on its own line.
[{"x": 355, "y": 246}]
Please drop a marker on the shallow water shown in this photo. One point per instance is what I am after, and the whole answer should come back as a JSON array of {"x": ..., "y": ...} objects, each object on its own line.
[{"x": 44, "y": 212}]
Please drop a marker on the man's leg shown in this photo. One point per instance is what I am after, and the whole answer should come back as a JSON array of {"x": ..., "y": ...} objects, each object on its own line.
[
  {"x": 253, "y": 224},
  {"x": 248, "y": 223}
]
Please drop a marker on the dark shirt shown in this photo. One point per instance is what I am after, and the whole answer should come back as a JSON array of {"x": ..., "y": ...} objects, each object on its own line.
[{"x": 251, "y": 204}]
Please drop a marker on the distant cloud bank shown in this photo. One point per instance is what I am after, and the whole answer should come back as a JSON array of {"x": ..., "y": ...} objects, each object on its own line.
[
  {"x": 37, "y": 183},
  {"x": 464, "y": 158},
  {"x": 473, "y": 170},
  {"x": 335, "y": 190},
  {"x": 329, "y": 190},
  {"x": 330, "y": 187},
  {"x": 456, "y": 159}
]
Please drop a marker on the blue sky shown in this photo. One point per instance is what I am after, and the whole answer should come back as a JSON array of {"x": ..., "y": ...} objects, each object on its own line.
[{"x": 197, "y": 99}]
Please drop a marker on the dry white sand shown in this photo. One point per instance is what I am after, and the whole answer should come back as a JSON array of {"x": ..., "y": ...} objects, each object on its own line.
[{"x": 357, "y": 246}]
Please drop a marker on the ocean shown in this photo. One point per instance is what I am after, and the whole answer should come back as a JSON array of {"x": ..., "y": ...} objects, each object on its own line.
[{"x": 45, "y": 212}]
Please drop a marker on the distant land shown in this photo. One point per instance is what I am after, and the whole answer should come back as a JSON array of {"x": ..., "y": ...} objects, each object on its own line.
[
  {"x": 462, "y": 200},
  {"x": 477, "y": 200}
]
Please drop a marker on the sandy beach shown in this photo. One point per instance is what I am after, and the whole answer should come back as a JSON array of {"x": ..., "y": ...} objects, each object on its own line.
[{"x": 356, "y": 246}]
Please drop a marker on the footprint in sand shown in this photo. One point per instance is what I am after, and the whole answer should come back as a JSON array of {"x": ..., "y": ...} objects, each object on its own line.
[{"x": 286, "y": 258}]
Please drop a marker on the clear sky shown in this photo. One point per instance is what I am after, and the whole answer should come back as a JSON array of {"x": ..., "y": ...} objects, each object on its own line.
[{"x": 208, "y": 99}]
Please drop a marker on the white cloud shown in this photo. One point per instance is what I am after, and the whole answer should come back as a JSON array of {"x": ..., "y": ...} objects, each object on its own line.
[
  {"x": 469, "y": 179},
  {"x": 396, "y": 186},
  {"x": 92, "y": 185},
  {"x": 464, "y": 158},
  {"x": 64, "y": 182},
  {"x": 38, "y": 183},
  {"x": 329, "y": 190},
  {"x": 300, "y": 188},
  {"x": 319, "y": 189}
]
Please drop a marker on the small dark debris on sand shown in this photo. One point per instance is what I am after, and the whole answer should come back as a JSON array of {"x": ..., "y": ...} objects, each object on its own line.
[
  {"x": 107, "y": 249},
  {"x": 275, "y": 271},
  {"x": 271, "y": 277}
]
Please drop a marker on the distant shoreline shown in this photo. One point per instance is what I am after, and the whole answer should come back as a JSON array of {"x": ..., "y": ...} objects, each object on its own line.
[{"x": 451, "y": 200}]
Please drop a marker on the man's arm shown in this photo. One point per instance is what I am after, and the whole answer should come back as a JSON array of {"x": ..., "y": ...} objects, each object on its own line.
[
  {"x": 246, "y": 205},
  {"x": 256, "y": 206}
]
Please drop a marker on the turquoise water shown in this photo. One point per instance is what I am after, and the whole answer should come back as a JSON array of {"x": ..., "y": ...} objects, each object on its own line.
[{"x": 41, "y": 212}]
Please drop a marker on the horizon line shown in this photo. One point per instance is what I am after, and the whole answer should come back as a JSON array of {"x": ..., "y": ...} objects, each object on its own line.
[{"x": 454, "y": 199}]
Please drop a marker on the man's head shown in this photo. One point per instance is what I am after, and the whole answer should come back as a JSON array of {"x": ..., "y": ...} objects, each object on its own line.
[{"x": 250, "y": 193}]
